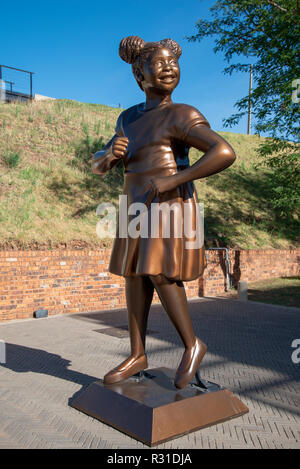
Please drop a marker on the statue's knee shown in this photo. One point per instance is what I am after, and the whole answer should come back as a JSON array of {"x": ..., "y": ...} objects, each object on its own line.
[{"x": 159, "y": 279}]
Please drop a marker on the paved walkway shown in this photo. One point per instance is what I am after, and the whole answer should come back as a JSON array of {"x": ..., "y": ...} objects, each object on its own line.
[{"x": 49, "y": 360}]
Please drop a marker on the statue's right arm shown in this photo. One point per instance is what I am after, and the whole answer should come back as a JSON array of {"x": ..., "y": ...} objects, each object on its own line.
[
  {"x": 105, "y": 159},
  {"x": 113, "y": 151}
]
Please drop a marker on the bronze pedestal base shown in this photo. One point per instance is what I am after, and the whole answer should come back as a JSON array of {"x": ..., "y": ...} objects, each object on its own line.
[{"x": 152, "y": 410}]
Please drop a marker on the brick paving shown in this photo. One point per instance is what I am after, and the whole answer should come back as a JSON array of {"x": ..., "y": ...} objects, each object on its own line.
[{"x": 50, "y": 360}]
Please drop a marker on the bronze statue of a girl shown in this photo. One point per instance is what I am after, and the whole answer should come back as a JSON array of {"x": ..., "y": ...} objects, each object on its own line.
[{"x": 153, "y": 139}]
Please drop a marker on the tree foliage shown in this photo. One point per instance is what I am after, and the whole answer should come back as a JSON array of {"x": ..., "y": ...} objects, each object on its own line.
[{"x": 266, "y": 34}]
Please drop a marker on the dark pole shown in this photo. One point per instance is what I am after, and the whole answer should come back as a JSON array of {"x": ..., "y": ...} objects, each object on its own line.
[
  {"x": 2, "y": 88},
  {"x": 249, "y": 102},
  {"x": 31, "y": 85}
]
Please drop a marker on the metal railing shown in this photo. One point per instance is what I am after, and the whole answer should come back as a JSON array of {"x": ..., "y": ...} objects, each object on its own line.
[
  {"x": 227, "y": 264},
  {"x": 12, "y": 94}
]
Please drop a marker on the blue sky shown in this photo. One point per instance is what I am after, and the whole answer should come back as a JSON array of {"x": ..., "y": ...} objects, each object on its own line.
[{"x": 72, "y": 46}]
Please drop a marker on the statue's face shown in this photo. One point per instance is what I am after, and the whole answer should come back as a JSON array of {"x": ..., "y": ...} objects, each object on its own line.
[{"x": 161, "y": 71}]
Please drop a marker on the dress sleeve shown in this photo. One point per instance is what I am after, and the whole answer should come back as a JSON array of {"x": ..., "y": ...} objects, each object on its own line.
[
  {"x": 119, "y": 126},
  {"x": 186, "y": 118}
]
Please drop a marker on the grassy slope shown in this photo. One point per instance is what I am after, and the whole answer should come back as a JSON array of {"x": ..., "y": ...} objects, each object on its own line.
[
  {"x": 50, "y": 197},
  {"x": 278, "y": 291}
]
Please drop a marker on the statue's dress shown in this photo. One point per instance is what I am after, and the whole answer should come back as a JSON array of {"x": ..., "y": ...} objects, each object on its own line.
[{"x": 158, "y": 146}]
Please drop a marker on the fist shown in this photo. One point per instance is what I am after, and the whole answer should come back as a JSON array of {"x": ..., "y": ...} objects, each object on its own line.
[
  {"x": 163, "y": 184},
  {"x": 119, "y": 146}
]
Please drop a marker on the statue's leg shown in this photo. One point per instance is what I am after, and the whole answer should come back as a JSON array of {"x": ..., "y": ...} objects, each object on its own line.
[
  {"x": 139, "y": 294},
  {"x": 173, "y": 298}
]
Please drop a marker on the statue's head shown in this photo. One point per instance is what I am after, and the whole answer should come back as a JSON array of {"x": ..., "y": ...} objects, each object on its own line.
[{"x": 154, "y": 64}]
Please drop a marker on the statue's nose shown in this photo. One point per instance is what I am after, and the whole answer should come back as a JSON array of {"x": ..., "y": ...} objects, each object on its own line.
[{"x": 167, "y": 66}]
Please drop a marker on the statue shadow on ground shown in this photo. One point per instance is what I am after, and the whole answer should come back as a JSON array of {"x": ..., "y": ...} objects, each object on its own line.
[{"x": 22, "y": 359}]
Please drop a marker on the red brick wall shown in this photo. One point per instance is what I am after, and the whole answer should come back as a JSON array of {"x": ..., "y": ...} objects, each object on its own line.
[
  {"x": 69, "y": 281},
  {"x": 61, "y": 282},
  {"x": 249, "y": 266}
]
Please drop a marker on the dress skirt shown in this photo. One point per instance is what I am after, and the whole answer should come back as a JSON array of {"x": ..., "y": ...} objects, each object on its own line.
[{"x": 158, "y": 235}]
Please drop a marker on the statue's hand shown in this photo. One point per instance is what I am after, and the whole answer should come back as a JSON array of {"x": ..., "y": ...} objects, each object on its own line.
[
  {"x": 119, "y": 146},
  {"x": 163, "y": 184}
]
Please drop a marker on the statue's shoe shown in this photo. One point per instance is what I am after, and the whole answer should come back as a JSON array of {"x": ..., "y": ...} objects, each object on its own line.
[
  {"x": 189, "y": 364},
  {"x": 128, "y": 368}
]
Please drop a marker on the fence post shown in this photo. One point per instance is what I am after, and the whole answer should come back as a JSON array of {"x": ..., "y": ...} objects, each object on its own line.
[
  {"x": 2, "y": 351},
  {"x": 243, "y": 291}
]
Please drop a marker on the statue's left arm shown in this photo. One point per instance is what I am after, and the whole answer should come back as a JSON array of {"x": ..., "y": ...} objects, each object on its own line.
[
  {"x": 218, "y": 154},
  {"x": 191, "y": 128}
]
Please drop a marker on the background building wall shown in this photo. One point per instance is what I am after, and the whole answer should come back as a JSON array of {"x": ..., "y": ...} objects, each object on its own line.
[{"x": 73, "y": 281}]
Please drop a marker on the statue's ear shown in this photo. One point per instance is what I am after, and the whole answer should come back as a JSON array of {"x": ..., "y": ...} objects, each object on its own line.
[{"x": 138, "y": 75}]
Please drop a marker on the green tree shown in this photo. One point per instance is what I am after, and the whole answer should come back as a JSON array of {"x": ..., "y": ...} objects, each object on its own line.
[{"x": 266, "y": 34}]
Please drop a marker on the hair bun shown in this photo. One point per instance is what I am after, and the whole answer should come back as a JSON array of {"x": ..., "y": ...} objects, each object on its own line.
[
  {"x": 172, "y": 45},
  {"x": 130, "y": 47}
]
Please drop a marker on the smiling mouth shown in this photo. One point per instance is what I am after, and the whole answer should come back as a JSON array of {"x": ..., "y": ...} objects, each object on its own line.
[{"x": 167, "y": 78}]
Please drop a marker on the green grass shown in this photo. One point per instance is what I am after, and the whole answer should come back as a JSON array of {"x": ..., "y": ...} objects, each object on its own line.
[
  {"x": 278, "y": 291},
  {"x": 11, "y": 159},
  {"x": 48, "y": 195},
  {"x": 283, "y": 291}
]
